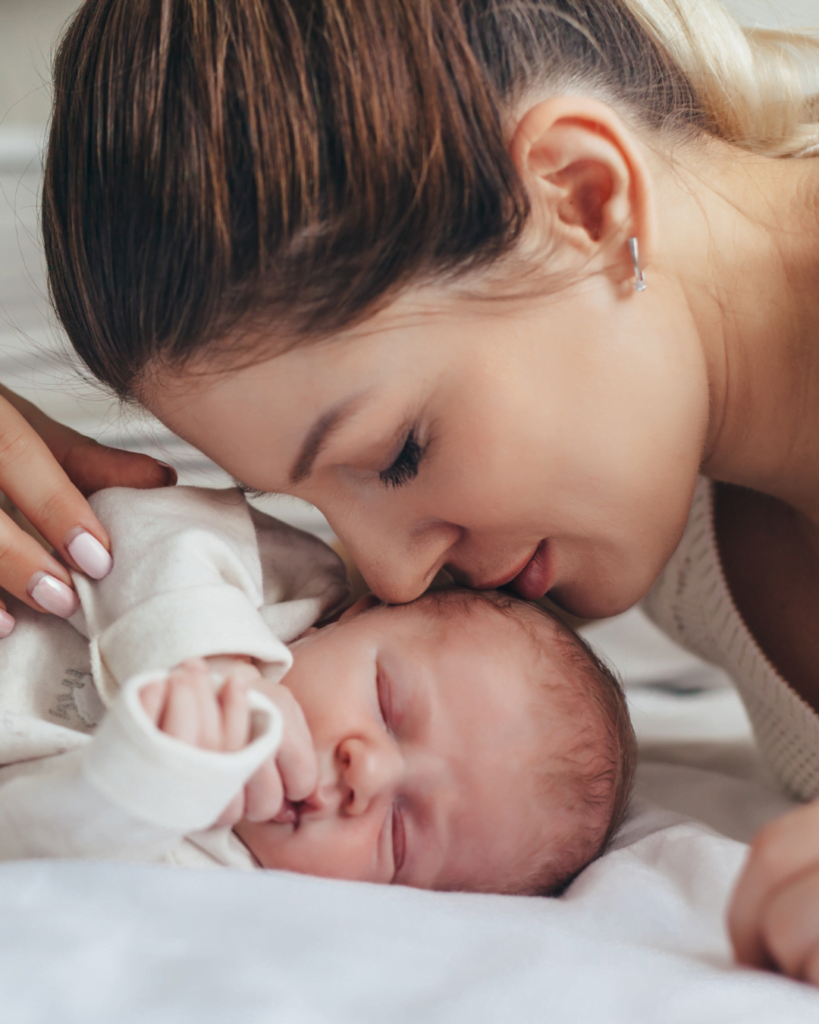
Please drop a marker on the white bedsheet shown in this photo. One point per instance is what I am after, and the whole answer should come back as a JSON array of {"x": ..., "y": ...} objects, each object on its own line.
[{"x": 638, "y": 938}]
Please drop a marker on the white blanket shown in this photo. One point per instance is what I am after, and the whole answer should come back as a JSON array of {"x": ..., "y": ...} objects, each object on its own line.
[{"x": 638, "y": 938}]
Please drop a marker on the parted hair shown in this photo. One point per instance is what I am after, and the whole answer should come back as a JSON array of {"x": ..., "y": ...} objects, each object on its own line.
[{"x": 214, "y": 165}]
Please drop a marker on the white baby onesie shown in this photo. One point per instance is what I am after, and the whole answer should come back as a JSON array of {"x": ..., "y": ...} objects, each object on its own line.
[{"x": 84, "y": 773}]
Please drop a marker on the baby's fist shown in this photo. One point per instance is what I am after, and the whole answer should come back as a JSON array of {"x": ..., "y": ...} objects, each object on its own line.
[
  {"x": 295, "y": 774},
  {"x": 186, "y": 706}
]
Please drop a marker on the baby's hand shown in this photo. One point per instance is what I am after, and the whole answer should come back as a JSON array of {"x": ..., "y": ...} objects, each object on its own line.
[
  {"x": 186, "y": 707},
  {"x": 774, "y": 914}
]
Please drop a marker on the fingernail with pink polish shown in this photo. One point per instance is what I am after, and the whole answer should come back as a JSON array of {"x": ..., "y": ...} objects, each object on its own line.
[
  {"x": 89, "y": 555},
  {"x": 53, "y": 595},
  {"x": 6, "y": 624}
]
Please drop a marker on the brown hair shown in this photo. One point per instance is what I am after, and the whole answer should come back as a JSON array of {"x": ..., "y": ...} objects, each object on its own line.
[
  {"x": 596, "y": 776},
  {"x": 213, "y": 162}
]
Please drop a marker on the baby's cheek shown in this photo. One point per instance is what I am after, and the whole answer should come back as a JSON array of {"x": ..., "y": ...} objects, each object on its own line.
[
  {"x": 330, "y": 848},
  {"x": 269, "y": 843}
]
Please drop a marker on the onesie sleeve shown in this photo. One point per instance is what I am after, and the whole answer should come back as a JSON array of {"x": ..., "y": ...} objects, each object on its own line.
[
  {"x": 303, "y": 579},
  {"x": 131, "y": 791},
  {"x": 187, "y": 582}
]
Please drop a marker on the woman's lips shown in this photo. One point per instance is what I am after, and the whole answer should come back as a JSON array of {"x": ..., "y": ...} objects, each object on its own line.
[
  {"x": 536, "y": 577},
  {"x": 530, "y": 580}
]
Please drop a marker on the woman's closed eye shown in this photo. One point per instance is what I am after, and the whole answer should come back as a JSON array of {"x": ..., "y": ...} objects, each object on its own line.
[{"x": 405, "y": 466}]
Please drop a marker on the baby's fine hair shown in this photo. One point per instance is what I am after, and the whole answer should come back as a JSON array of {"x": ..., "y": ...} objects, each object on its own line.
[
  {"x": 596, "y": 776},
  {"x": 216, "y": 165}
]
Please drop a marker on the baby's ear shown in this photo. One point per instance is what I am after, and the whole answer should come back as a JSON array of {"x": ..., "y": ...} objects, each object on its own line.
[{"x": 363, "y": 604}]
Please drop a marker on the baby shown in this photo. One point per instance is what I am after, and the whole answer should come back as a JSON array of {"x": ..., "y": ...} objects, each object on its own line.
[{"x": 468, "y": 740}]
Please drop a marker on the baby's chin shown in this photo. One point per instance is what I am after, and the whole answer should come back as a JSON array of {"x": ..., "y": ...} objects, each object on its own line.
[{"x": 267, "y": 842}]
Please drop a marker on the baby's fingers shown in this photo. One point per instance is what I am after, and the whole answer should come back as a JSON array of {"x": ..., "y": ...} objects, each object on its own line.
[
  {"x": 296, "y": 759},
  {"x": 152, "y": 698},
  {"x": 264, "y": 794},
  {"x": 233, "y": 813},
  {"x": 191, "y": 714},
  {"x": 235, "y": 707}
]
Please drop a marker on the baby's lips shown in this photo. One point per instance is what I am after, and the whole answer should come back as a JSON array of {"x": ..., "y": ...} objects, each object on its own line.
[{"x": 287, "y": 814}]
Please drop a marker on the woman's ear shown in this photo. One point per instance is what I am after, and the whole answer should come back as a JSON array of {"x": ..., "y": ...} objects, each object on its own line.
[{"x": 586, "y": 177}]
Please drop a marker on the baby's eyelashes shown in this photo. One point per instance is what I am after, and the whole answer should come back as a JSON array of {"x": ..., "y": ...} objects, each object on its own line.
[{"x": 399, "y": 840}]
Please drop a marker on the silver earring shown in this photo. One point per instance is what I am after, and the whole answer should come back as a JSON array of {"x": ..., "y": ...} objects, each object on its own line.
[{"x": 639, "y": 280}]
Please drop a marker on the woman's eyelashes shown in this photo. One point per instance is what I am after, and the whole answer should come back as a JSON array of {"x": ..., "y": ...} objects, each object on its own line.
[{"x": 405, "y": 467}]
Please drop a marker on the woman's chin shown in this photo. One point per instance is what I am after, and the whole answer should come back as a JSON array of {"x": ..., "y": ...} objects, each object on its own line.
[{"x": 585, "y": 601}]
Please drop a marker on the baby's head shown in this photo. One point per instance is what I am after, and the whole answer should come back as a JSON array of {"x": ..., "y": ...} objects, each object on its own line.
[{"x": 468, "y": 740}]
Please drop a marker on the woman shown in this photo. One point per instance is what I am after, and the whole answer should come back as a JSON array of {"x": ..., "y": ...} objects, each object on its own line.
[{"x": 490, "y": 285}]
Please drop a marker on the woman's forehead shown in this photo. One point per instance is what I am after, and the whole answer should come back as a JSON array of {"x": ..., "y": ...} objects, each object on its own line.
[{"x": 415, "y": 320}]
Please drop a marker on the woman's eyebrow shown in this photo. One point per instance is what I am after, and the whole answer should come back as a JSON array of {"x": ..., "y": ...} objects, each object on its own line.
[{"x": 319, "y": 434}]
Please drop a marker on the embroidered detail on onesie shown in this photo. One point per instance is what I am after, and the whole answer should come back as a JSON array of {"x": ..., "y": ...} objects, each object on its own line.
[{"x": 80, "y": 698}]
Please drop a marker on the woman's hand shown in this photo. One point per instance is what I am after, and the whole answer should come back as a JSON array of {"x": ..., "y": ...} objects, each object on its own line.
[
  {"x": 774, "y": 913},
  {"x": 46, "y": 470}
]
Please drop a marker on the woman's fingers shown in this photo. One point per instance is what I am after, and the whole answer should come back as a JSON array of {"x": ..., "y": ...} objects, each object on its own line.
[
  {"x": 784, "y": 850},
  {"x": 31, "y": 574},
  {"x": 33, "y": 479},
  {"x": 92, "y": 466},
  {"x": 789, "y": 925},
  {"x": 46, "y": 469},
  {"x": 7, "y": 621}
]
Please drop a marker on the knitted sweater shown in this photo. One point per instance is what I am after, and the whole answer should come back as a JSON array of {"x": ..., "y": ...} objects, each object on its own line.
[{"x": 691, "y": 602}]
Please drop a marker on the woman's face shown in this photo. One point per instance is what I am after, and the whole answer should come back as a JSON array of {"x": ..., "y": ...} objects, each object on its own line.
[{"x": 551, "y": 443}]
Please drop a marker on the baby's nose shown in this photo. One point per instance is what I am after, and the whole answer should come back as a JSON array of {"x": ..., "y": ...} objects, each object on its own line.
[
  {"x": 330, "y": 793},
  {"x": 369, "y": 771}
]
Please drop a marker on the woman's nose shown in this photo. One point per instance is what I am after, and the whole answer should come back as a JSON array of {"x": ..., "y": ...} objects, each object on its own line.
[
  {"x": 399, "y": 566},
  {"x": 369, "y": 771}
]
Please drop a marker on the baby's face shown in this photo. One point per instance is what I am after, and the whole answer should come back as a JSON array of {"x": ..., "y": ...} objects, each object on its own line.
[{"x": 426, "y": 738}]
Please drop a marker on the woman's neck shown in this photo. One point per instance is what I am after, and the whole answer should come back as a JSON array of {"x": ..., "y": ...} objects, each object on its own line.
[{"x": 744, "y": 243}]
